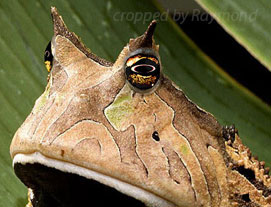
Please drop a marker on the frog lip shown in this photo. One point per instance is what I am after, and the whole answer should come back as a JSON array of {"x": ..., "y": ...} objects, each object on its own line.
[{"x": 66, "y": 183}]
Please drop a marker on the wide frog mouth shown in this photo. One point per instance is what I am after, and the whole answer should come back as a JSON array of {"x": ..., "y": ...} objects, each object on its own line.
[{"x": 57, "y": 183}]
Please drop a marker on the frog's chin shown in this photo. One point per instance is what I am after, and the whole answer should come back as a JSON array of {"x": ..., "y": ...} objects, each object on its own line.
[{"x": 58, "y": 183}]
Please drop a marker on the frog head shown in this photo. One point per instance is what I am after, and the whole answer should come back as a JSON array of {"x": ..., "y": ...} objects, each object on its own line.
[{"x": 119, "y": 133}]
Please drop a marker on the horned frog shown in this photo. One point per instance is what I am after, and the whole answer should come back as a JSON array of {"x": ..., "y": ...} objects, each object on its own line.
[{"x": 123, "y": 134}]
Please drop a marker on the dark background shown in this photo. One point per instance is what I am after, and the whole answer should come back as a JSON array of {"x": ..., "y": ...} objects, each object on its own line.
[{"x": 229, "y": 54}]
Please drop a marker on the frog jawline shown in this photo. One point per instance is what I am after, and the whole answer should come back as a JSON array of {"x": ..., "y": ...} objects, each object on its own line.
[{"x": 146, "y": 197}]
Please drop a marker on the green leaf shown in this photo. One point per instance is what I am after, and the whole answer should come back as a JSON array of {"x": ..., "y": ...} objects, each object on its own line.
[
  {"x": 247, "y": 21},
  {"x": 105, "y": 27}
]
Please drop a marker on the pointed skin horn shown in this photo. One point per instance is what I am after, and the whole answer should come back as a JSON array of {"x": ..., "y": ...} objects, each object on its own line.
[
  {"x": 145, "y": 40},
  {"x": 148, "y": 35},
  {"x": 61, "y": 29}
]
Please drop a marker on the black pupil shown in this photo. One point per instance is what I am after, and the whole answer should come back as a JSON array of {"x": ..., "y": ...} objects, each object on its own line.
[
  {"x": 48, "y": 53},
  {"x": 143, "y": 68}
]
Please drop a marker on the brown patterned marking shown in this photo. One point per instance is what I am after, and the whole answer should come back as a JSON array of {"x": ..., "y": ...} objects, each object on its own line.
[
  {"x": 59, "y": 74},
  {"x": 136, "y": 152},
  {"x": 199, "y": 127},
  {"x": 89, "y": 135},
  {"x": 127, "y": 146},
  {"x": 51, "y": 118},
  {"x": 87, "y": 142},
  {"x": 177, "y": 170},
  {"x": 59, "y": 78},
  {"x": 67, "y": 129},
  {"x": 38, "y": 117},
  {"x": 151, "y": 152},
  {"x": 61, "y": 29},
  {"x": 92, "y": 108},
  {"x": 127, "y": 143},
  {"x": 221, "y": 175},
  {"x": 190, "y": 163},
  {"x": 78, "y": 110},
  {"x": 76, "y": 73},
  {"x": 190, "y": 179},
  {"x": 200, "y": 165},
  {"x": 169, "y": 165}
]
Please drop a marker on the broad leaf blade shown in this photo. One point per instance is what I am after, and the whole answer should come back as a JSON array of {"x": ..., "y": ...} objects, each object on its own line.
[
  {"x": 247, "y": 21},
  {"x": 27, "y": 28}
]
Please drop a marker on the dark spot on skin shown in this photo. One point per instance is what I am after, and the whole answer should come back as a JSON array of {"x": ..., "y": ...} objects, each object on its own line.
[
  {"x": 248, "y": 173},
  {"x": 245, "y": 197},
  {"x": 243, "y": 200},
  {"x": 155, "y": 136},
  {"x": 62, "y": 153},
  {"x": 133, "y": 94}
]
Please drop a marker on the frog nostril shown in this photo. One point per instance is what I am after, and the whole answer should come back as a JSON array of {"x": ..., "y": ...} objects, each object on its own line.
[{"x": 155, "y": 136}]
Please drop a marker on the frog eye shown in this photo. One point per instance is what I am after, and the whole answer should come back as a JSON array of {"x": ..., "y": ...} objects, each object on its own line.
[
  {"x": 142, "y": 72},
  {"x": 48, "y": 57}
]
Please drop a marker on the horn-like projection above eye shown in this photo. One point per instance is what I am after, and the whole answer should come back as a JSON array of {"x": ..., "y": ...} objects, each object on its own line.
[
  {"x": 48, "y": 57},
  {"x": 142, "y": 72},
  {"x": 91, "y": 141}
]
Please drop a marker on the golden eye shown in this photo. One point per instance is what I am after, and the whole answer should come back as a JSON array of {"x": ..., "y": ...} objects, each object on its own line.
[
  {"x": 142, "y": 72},
  {"x": 48, "y": 58}
]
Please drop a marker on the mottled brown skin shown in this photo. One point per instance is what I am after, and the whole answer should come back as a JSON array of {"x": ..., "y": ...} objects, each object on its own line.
[
  {"x": 249, "y": 180},
  {"x": 88, "y": 116}
]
